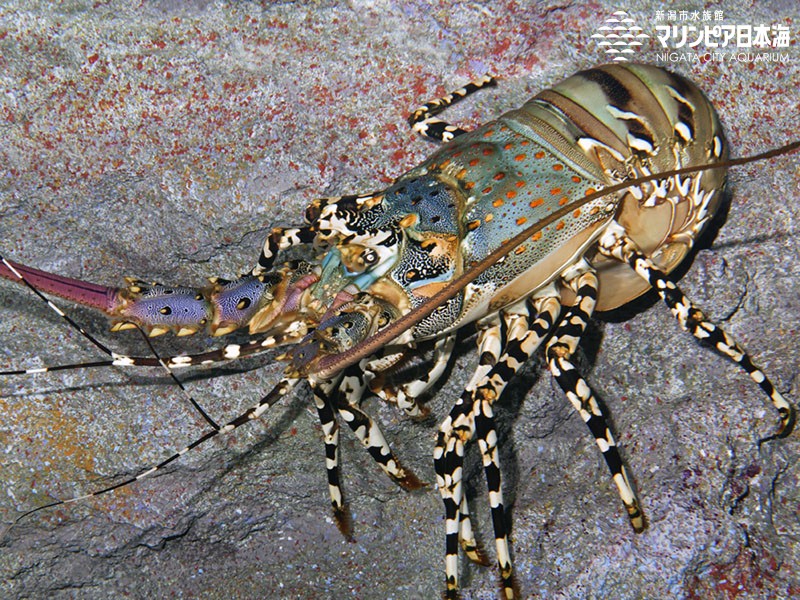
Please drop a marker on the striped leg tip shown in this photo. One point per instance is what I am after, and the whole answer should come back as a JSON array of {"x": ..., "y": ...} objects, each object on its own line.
[
  {"x": 476, "y": 554},
  {"x": 637, "y": 520},
  {"x": 509, "y": 588},
  {"x": 788, "y": 419},
  {"x": 344, "y": 522},
  {"x": 410, "y": 481}
]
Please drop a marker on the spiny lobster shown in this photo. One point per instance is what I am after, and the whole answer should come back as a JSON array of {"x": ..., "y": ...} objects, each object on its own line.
[{"x": 583, "y": 199}]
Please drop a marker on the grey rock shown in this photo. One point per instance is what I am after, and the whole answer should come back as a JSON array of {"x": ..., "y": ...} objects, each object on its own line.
[{"x": 164, "y": 142}]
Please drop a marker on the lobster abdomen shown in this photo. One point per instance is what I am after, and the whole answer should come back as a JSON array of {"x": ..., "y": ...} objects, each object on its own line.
[{"x": 634, "y": 120}]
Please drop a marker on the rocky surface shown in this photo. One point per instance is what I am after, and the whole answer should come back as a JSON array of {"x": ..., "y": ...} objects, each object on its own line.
[{"x": 164, "y": 141}]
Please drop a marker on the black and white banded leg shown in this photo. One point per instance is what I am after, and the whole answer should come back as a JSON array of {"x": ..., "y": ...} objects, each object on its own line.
[
  {"x": 341, "y": 395},
  {"x": 560, "y": 349},
  {"x": 522, "y": 339},
  {"x": 423, "y": 120},
  {"x": 342, "y": 205},
  {"x": 351, "y": 391},
  {"x": 405, "y": 395},
  {"x": 618, "y": 245},
  {"x": 330, "y": 430},
  {"x": 280, "y": 239},
  {"x": 408, "y": 393},
  {"x": 448, "y": 456},
  {"x": 466, "y": 536}
]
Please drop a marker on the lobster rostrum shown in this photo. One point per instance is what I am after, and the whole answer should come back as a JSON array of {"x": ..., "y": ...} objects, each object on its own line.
[{"x": 581, "y": 200}]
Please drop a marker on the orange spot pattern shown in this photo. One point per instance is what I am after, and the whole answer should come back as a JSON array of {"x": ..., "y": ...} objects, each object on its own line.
[{"x": 517, "y": 178}]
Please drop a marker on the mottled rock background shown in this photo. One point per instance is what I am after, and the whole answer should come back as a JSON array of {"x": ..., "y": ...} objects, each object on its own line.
[{"x": 163, "y": 140}]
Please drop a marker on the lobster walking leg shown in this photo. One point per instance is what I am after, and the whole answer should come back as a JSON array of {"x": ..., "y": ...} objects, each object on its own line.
[
  {"x": 448, "y": 455},
  {"x": 466, "y": 536},
  {"x": 351, "y": 392},
  {"x": 423, "y": 120},
  {"x": 281, "y": 238},
  {"x": 559, "y": 350},
  {"x": 405, "y": 395},
  {"x": 618, "y": 245},
  {"x": 412, "y": 390},
  {"x": 522, "y": 340},
  {"x": 341, "y": 395},
  {"x": 330, "y": 430}
]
